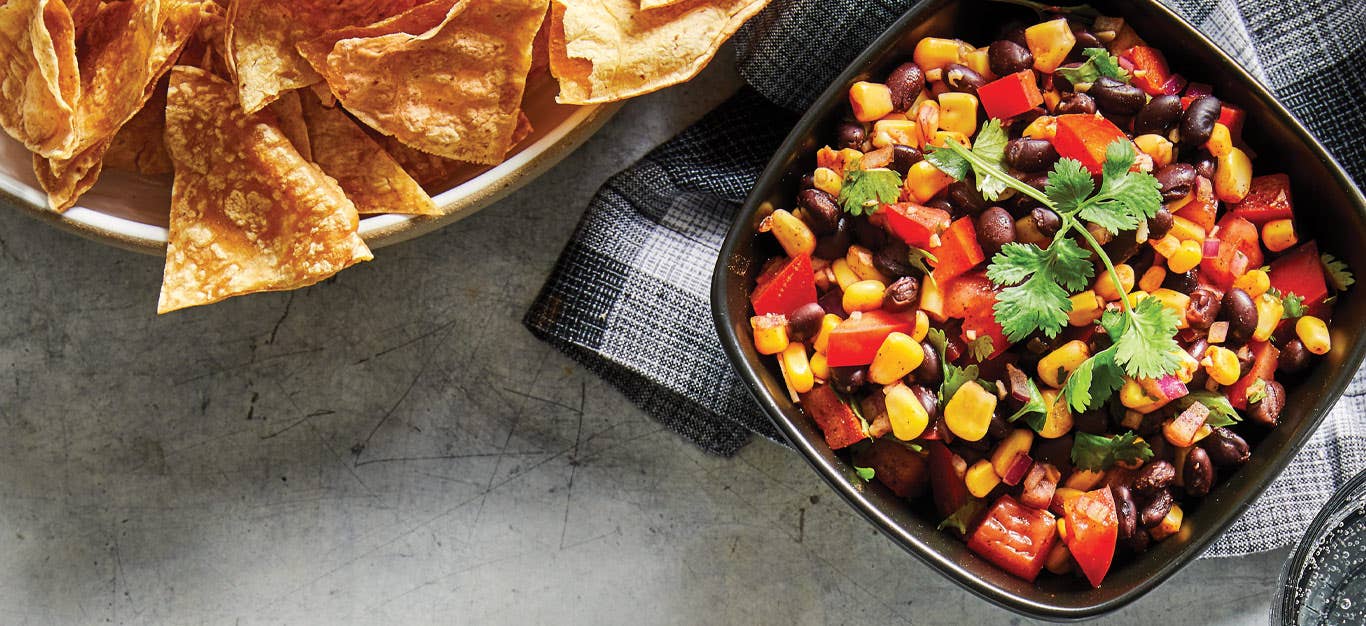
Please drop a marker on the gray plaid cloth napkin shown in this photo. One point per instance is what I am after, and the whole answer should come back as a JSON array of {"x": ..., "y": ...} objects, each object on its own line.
[{"x": 629, "y": 295}]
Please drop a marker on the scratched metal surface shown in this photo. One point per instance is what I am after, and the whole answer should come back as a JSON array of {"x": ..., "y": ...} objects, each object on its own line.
[{"x": 393, "y": 447}]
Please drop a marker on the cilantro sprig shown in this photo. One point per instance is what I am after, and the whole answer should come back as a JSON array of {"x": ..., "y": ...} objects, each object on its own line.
[
  {"x": 1338, "y": 274},
  {"x": 988, "y": 149},
  {"x": 1098, "y": 452},
  {"x": 864, "y": 191},
  {"x": 1099, "y": 62},
  {"x": 954, "y": 376}
]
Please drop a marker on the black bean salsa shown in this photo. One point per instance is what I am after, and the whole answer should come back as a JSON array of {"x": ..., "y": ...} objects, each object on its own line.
[{"x": 1039, "y": 283}]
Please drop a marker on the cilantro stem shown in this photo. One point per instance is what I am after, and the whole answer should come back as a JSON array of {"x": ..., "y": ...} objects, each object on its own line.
[
  {"x": 982, "y": 165},
  {"x": 1104, "y": 258}
]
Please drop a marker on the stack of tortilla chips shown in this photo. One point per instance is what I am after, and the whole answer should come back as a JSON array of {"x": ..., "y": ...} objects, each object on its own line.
[{"x": 282, "y": 122}]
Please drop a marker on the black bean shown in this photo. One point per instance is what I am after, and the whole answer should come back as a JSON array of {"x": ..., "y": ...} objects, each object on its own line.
[
  {"x": 850, "y": 135},
  {"x": 1046, "y": 221},
  {"x": 942, "y": 204},
  {"x": 995, "y": 228},
  {"x": 1176, "y": 180},
  {"x": 1198, "y": 121},
  {"x": 964, "y": 196},
  {"x": 1185, "y": 282},
  {"x": 903, "y": 157},
  {"x": 1139, "y": 542},
  {"x": 1204, "y": 164},
  {"x": 1020, "y": 122},
  {"x": 869, "y": 235},
  {"x": 927, "y": 399},
  {"x": 1197, "y": 474},
  {"x": 805, "y": 321},
  {"x": 906, "y": 83},
  {"x": 1030, "y": 155},
  {"x": 1156, "y": 508},
  {"x": 893, "y": 259},
  {"x": 1092, "y": 422},
  {"x": 848, "y": 379},
  {"x": 1268, "y": 410},
  {"x": 1015, "y": 32},
  {"x": 1157, "y": 116},
  {"x": 997, "y": 428},
  {"x": 835, "y": 244},
  {"x": 1116, "y": 97},
  {"x": 930, "y": 371},
  {"x": 822, "y": 210},
  {"x": 1245, "y": 360},
  {"x": 1241, "y": 314},
  {"x": 1085, "y": 39},
  {"x": 1007, "y": 57},
  {"x": 902, "y": 295},
  {"x": 1226, "y": 448},
  {"x": 1154, "y": 476},
  {"x": 1294, "y": 357},
  {"x": 1203, "y": 308},
  {"x": 962, "y": 78},
  {"x": 1062, "y": 84},
  {"x": 1076, "y": 103},
  {"x": 832, "y": 302},
  {"x": 1125, "y": 510},
  {"x": 1160, "y": 224}
]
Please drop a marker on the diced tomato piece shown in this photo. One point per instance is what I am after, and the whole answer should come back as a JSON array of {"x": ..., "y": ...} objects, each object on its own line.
[
  {"x": 855, "y": 341},
  {"x": 1085, "y": 138},
  {"x": 1243, "y": 235},
  {"x": 958, "y": 251},
  {"x": 793, "y": 286},
  {"x": 896, "y": 466},
  {"x": 1223, "y": 269},
  {"x": 1268, "y": 199},
  {"x": 1150, "y": 72},
  {"x": 915, "y": 224},
  {"x": 1092, "y": 529},
  {"x": 835, "y": 419},
  {"x": 1015, "y": 538},
  {"x": 1011, "y": 95},
  {"x": 1300, "y": 272},
  {"x": 946, "y": 478},
  {"x": 968, "y": 294},
  {"x": 1229, "y": 115},
  {"x": 1264, "y": 358},
  {"x": 983, "y": 324},
  {"x": 1202, "y": 206}
]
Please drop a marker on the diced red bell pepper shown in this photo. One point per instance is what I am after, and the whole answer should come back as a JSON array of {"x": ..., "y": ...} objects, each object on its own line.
[
  {"x": 896, "y": 466},
  {"x": 1150, "y": 72},
  {"x": 1202, "y": 207},
  {"x": 1243, "y": 234},
  {"x": 835, "y": 419},
  {"x": 1085, "y": 138},
  {"x": 1268, "y": 199},
  {"x": 958, "y": 250},
  {"x": 1015, "y": 538},
  {"x": 855, "y": 341},
  {"x": 968, "y": 294},
  {"x": 946, "y": 478},
  {"x": 983, "y": 323},
  {"x": 915, "y": 224},
  {"x": 1010, "y": 95},
  {"x": 1092, "y": 529},
  {"x": 1300, "y": 272},
  {"x": 1230, "y": 263},
  {"x": 1264, "y": 360},
  {"x": 1229, "y": 115},
  {"x": 793, "y": 286}
]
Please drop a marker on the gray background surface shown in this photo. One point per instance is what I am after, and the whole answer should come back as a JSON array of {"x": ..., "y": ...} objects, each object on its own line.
[{"x": 394, "y": 447}]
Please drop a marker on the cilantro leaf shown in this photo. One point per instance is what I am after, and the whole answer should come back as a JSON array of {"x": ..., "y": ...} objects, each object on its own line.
[
  {"x": 1038, "y": 282},
  {"x": 960, "y": 519},
  {"x": 1125, "y": 197},
  {"x": 864, "y": 473},
  {"x": 948, "y": 162},
  {"x": 1068, "y": 185},
  {"x": 1145, "y": 348},
  {"x": 1293, "y": 305},
  {"x": 954, "y": 376},
  {"x": 865, "y": 190},
  {"x": 1256, "y": 392},
  {"x": 1337, "y": 272},
  {"x": 1098, "y": 452},
  {"x": 1221, "y": 412},
  {"x": 920, "y": 260},
  {"x": 1034, "y": 407},
  {"x": 981, "y": 348},
  {"x": 984, "y": 160},
  {"x": 1093, "y": 382},
  {"x": 1098, "y": 63}
]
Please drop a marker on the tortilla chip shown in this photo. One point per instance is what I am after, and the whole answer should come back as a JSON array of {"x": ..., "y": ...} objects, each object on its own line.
[
  {"x": 521, "y": 132},
  {"x": 139, "y": 147},
  {"x": 248, "y": 213},
  {"x": 82, "y": 13},
  {"x": 646, "y": 5},
  {"x": 261, "y": 36},
  {"x": 454, "y": 91},
  {"x": 608, "y": 50},
  {"x": 290, "y": 113},
  {"x": 39, "y": 84},
  {"x": 371, "y": 178},
  {"x": 427, "y": 169}
]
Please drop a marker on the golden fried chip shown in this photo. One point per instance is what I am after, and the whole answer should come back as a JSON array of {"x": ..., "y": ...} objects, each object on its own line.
[
  {"x": 646, "y": 5},
  {"x": 261, "y": 35},
  {"x": 139, "y": 147},
  {"x": 290, "y": 113},
  {"x": 82, "y": 12},
  {"x": 453, "y": 91},
  {"x": 608, "y": 50},
  {"x": 371, "y": 178},
  {"x": 248, "y": 213},
  {"x": 428, "y": 170},
  {"x": 39, "y": 84}
]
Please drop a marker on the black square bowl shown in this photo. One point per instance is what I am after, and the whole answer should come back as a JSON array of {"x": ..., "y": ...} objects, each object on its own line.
[{"x": 1330, "y": 209}]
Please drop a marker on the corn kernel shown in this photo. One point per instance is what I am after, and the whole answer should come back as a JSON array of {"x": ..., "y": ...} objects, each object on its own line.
[
  {"x": 981, "y": 479},
  {"x": 1233, "y": 176},
  {"x": 922, "y": 326},
  {"x": 1221, "y": 364},
  {"x": 1220, "y": 141},
  {"x": 1051, "y": 99},
  {"x": 1056, "y": 365},
  {"x": 828, "y": 324},
  {"x": 828, "y": 181},
  {"x": 943, "y": 137},
  {"x": 1254, "y": 282},
  {"x": 792, "y": 233},
  {"x": 1167, "y": 246},
  {"x": 1157, "y": 147},
  {"x": 1186, "y": 257},
  {"x": 979, "y": 61},
  {"x": 844, "y": 275},
  {"x": 1059, "y": 559},
  {"x": 797, "y": 368},
  {"x": 1176, "y": 302},
  {"x": 1062, "y": 528},
  {"x": 1186, "y": 230},
  {"x": 770, "y": 333},
  {"x": 860, "y": 260},
  {"x": 820, "y": 367},
  {"x": 889, "y": 132},
  {"x": 1314, "y": 333},
  {"x": 1050, "y": 42},
  {"x": 864, "y": 295},
  {"x": 924, "y": 181},
  {"x": 1105, "y": 284},
  {"x": 1043, "y": 127},
  {"x": 1136, "y": 297},
  {"x": 1057, "y": 420},
  {"x": 958, "y": 112},
  {"x": 908, "y": 417},
  {"x": 870, "y": 101},
  {"x": 1270, "y": 310},
  {"x": 898, "y": 355},
  {"x": 1086, "y": 309},
  {"x": 1016, "y": 443},
  {"x": 934, "y": 53},
  {"x": 1084, "y": 480},
  {"x": 1170, "y": 525},
  {"x": 1279, "y": 235},
  {"x": 1152, "y": 279},
  {"x": 1133, "y": 396},
  {"x": 1187, "y": 365},
  {"x": 968, "y": 413}
]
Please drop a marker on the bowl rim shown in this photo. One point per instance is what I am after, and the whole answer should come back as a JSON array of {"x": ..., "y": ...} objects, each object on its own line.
[
  {"x": 1038, "y": 605},
  {"x": 378, "y": 231}
]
